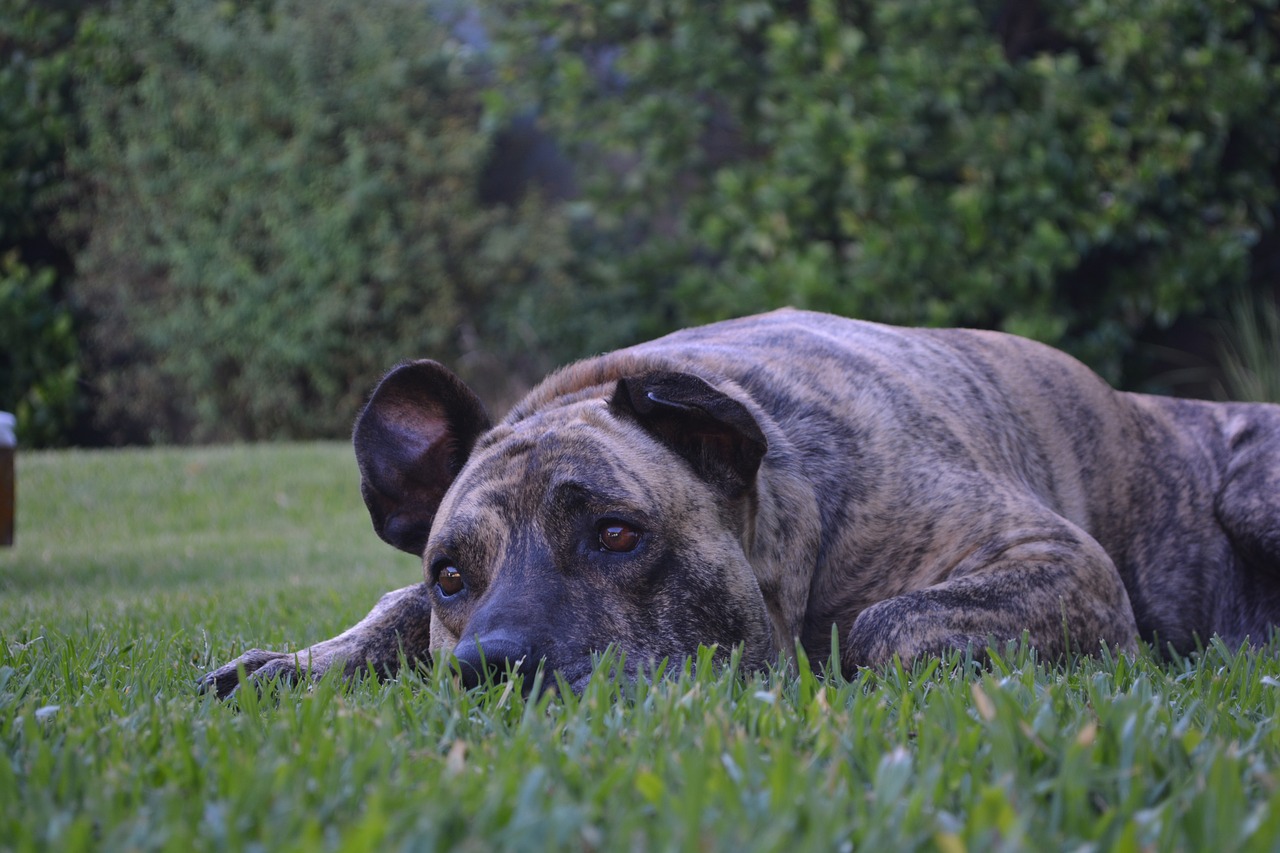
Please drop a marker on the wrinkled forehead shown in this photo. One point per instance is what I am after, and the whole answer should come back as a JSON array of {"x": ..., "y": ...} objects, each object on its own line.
[{"x": 514, "y": 468}]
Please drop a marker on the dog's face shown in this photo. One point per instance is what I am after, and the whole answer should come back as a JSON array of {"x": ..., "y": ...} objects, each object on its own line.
[{"x": 616, "y": 519}]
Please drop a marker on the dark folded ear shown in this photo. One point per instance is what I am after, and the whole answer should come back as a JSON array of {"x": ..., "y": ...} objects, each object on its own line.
[
  {"x": 411, "y": 440},
  {"x": 716, "y": 434}
]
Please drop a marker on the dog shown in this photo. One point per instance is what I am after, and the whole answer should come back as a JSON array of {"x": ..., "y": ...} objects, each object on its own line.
[{"x": 767, "y": 481}]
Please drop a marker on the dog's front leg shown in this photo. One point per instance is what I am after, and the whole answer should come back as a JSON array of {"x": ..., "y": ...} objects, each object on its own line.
[
  {"x": 399, "y": 624},
  {"x": 1059, "y": 586}
]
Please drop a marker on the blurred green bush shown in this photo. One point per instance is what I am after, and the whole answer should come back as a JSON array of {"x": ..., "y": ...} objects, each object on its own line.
[
  {"x": 1084, "y": 173},
  {"x": 284, "y": 205},
  {"x": 39, "y": 351},
  {"x": 266, "y": 203},
  {"x": 38, "y": 362}
]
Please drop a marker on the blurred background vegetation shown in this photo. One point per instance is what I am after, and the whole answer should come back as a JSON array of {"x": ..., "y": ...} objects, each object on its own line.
[{"x": 224, "y": 220}]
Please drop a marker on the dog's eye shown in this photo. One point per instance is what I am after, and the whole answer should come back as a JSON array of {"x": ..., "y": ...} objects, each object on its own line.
[
  {"x": 449, "y": 580},
  {"x": 618, "y": 536}
]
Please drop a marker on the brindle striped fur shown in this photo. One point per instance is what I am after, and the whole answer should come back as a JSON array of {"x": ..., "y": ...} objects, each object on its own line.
[{"x": 918, "y": 489}]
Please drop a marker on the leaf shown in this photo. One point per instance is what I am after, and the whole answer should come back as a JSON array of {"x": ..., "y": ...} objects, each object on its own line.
[{"x": 649, "y": 786}]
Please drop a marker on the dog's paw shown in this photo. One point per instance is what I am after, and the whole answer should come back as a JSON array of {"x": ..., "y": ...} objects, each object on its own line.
[{"x": 259, "y": 667}]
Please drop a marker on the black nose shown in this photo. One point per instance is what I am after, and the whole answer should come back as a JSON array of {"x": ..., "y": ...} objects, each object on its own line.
[{"x": 493, "y": 655}]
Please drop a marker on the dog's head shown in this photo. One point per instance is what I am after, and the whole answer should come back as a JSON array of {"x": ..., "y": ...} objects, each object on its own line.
[{"x": 616, "y": 519}]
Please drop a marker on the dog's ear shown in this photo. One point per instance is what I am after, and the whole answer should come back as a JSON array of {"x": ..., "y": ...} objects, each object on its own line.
[
  {"x": 411, "y": 439},
  {"x": 715, "y": 433}
]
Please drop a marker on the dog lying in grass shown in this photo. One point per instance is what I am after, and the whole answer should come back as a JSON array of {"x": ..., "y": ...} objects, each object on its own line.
[{"x": 764, "y": 481}]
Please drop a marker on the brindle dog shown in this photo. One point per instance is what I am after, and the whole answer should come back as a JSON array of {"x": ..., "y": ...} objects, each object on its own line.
[{"x": 757, "y": 482}]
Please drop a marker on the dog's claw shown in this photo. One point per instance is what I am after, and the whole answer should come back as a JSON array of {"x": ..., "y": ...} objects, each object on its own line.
[
  {"x": 219, "y": 683},
  {"x": 258, "y": 666}
]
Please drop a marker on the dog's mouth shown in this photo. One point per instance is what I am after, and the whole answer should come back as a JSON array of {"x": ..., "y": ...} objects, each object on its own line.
[
  {"x": 573, "y": 676},
  {"x": 609, "y": 667},
  {"x": 577, "y": 677}
]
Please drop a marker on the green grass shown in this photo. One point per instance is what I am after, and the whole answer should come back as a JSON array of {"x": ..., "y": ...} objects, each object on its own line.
[
  {"x": 1249, "y": 349},
  {"x": 135, "y": 571}
]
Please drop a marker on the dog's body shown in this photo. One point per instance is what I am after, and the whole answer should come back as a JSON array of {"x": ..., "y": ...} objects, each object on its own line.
[{"x": 758, "y": 481}]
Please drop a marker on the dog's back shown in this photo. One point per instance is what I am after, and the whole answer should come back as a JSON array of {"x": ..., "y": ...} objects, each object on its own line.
[{"x": 898, "y": 429}]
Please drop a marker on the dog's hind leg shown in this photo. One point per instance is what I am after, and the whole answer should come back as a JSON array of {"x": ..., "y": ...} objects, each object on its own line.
[
  {"x": 1055, "y": 583},
  {"x": 1248, "y": 509},
  {"x": 1248, "y": 504}
]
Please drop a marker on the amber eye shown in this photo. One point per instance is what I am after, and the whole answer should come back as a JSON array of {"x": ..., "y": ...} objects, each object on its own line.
[
  {"x": 618, "y": 536},
  {"x": 449, "y": 580}
]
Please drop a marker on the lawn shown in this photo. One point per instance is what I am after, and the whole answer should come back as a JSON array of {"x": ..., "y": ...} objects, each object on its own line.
[{"x": 136, "y": 571}]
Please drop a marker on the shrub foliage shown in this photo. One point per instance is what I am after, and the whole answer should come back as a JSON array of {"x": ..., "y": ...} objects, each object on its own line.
[
  {"x": 38, "y": 338},
  {"x": 286, "y": 205},
  {"x": 1082, "y": 173},
  {"x": 275, "y": 200},
  {"x": 38, "y": 362}
]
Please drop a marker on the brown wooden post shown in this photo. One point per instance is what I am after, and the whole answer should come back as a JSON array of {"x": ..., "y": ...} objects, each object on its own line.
[{"x": 8, "y": 503}]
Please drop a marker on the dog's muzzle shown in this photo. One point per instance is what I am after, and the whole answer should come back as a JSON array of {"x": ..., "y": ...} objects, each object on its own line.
[{"x": 493, "y": 656}]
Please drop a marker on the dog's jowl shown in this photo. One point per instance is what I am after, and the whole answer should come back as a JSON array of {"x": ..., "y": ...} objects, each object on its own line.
[{"x": 757, "y": 482}]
